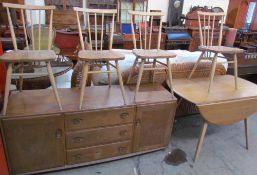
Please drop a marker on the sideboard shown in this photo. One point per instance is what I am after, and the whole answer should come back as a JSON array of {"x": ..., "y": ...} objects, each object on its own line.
[{"x": 39, "y": 138}]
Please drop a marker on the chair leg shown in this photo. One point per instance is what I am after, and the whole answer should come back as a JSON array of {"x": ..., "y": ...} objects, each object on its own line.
[
  {"x": 235, "y": 70},
  {"x": 51, "y": 77},
  {"x": 214, "y": 63},
  {"x": 133, "y": 67},
  {"x": 247, "y": 132},
  {"x": 21, "y": 77},
  {"x": 170, "y": 77},
  {"x": 108, "y": 74},
  {"x": 154, "y": 66},
  {"x": 121, "y": 82},
  {"x": 83, "y": 84},
  {"x": 82, "y": 72},
  {"x": 200, "y": 141},
  {"x": 7, "y": 87},
  {"x": 141, "y": 69},
  {"x": 196, "y": 64}
]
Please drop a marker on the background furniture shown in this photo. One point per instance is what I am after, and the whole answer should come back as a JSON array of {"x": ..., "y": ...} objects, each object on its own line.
[
  {"x": 21, "y": 56},
  {"x": 223, "y": 105},
  {"x": 104, "y": 130},
  {"x": 208, "y": 47}
]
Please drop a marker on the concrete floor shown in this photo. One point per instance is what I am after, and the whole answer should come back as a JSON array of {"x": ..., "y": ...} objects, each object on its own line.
[{"x": 223, "y": 153}]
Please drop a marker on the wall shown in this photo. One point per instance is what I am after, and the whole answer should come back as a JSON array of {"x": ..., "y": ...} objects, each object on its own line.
[{"x": 164, "y": 4}]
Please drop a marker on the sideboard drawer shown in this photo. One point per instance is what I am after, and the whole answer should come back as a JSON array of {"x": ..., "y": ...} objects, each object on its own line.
[
  {"x": 84, "y": 120},
  {"x": 98, "y": 152},
  {"x": 98, "y": 136}
]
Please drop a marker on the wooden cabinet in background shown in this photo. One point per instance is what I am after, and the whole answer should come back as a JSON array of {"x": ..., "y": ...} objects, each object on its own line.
[{"x": 34, "y": 143}]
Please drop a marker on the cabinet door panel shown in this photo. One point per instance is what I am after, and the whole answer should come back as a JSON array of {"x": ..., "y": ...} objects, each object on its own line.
[
  {"x": 153, "y": 126},
  {"x": 35, "y": 143}
]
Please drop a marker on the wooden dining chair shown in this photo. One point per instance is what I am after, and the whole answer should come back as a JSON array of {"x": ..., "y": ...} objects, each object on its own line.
[
  {"x": 146, "y": 54},
  {"x": 94, "y": 56},
  {"x": 210, "y": 45},
  {"x": 17, "y": 57}
]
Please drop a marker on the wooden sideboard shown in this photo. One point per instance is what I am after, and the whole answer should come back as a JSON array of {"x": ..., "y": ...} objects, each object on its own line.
[{"x": 39, "y": 138}]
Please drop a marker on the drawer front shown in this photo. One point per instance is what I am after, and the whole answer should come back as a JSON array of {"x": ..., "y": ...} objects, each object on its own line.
[
  {"x": 75, "y": 121},
  {"x": 99, "y": 152},
  {"x": 98, "y": 136}
]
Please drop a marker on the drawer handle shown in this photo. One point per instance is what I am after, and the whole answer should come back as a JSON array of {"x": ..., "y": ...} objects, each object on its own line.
[
  {"x": 78, "y": 139},
  {"x": 122, "y": 149},
  {"x": 123, "y": 132},
  {"x": 124, "y": 115},
  {"x": 76, "y": 121},
  {"x": 138, "y": 122},
  {"x": 77, "y": 156},
  {"x": 58, "y": 134}
]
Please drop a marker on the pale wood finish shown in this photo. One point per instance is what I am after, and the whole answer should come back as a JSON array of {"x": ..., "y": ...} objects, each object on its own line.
[
  {"x": 145, "y": 53},
  {"x": 207, "y": 28},
  {"x": 247, "y": 132},
  {"x": 21, "y": 56},
  {"x": 223, "y": 105},
  {"x": 200, "y": 140},
  {"x": 103, "y": 57}
]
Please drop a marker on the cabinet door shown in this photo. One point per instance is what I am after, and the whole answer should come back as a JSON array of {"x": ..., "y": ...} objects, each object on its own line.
[
  {"x": 34, "y": 143},
  {"x": 153, "y": 126}
]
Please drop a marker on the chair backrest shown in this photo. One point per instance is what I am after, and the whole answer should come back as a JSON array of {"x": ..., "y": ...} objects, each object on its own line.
[
  {"x": 209, "y": 25},
  {"x": 146, "y": 27},
  {"x": 30, "y": 9},
  {"x": 96, "y": 14}
]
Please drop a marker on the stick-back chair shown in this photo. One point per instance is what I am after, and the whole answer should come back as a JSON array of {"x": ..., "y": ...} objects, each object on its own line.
[
  {"x": 94, "y": 56},
  {"x": 211, "y": 47},
  {"x": 146, "y": 54},
  {"x": 28, "y": 56}
]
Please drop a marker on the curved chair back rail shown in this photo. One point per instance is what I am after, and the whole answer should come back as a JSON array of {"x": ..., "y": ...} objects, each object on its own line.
[
  {"x": 227, "y": 113},
  {"x": 30, "y": 11},
  {"x": 145, "y": 28},
  {"x": 99, "y": 16}
]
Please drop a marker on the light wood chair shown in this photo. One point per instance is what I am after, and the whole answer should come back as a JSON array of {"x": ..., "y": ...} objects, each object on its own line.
[
  {"x": 28, "y": 56},
  {"x": 146, "y": 54},
  {"x": 208, "y": 25},
  {"x": 98, "y": 57}
]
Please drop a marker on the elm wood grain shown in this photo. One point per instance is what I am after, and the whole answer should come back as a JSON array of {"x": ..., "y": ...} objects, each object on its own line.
[
  {"x": 160, "y": 126},
  {"x": 221, "y": 49},
  {"x": 153, "y": 53},
  {"x": 85, "y": 120},
  {"x": 34, "y": 143},
  {"x": 104, "y": 55},
  {"x": 98, "y": 136},
  {"x": 75, "y": 156},
  {"x": 20, "y": 104},
  {"x": 222, "y": 106}
]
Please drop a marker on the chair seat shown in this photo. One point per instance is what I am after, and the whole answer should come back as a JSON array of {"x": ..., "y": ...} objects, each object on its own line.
[
  {"x": 101, "y": 55},
  {"x": 221, "y": 49},
  {"x": 28, "y": 56},
  {"x": 141, "y": 53}
]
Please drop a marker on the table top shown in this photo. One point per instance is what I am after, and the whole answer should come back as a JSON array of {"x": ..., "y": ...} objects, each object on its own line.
[{"x": 223, "y": 90}]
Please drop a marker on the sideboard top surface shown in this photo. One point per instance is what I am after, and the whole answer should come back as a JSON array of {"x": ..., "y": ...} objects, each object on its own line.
[{"x": 42, "y": 102}]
